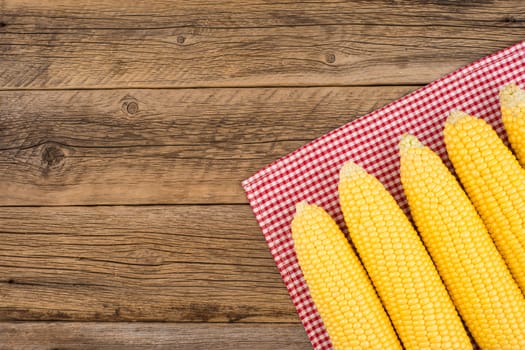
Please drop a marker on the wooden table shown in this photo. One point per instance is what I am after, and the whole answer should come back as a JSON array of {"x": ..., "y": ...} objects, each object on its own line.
[{"x": 126, "y": 128}]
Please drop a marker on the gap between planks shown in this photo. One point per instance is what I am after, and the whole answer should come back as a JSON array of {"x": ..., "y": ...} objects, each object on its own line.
[{"x": 167, "y": 87}]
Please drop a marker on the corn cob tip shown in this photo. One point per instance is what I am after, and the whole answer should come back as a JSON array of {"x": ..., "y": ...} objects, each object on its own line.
[
  {"x": 511, "y": 95},
  {"x": 455, "y": 116},
  {"x": 300, "y": 207},
  {"x": 408, "y": 142},
  {"x": 350, "y": 169}
]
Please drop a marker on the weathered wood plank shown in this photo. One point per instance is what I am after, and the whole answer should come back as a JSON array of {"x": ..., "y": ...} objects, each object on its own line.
[
  {"x": 153, "y": 263},
  {"x": 155, "y": 336},
  {"x": 108, "y": 44},
  {"x": 65, "y": 14},
  {"x": 160, "y": 146}
]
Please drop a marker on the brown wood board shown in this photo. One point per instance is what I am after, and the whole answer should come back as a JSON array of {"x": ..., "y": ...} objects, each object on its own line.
[
  {"x": 176, "y": 146},
  {"x": 154, "y": 336},
  {"x": 110, "y": 44},
  {"x": 152, "y": 263}
]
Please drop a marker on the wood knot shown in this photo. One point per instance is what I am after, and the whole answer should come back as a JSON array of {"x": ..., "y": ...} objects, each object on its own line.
[
  {"x": 132, "y": 108},
  {"x": 509, "y": 19},
  {"x": 129, "y": 105},
  {"x": 330, "y": 58},
  {"x": 2, "y": 24},
  {"x": 181, "y": 39},
  {"x": 52, "y": 156}
]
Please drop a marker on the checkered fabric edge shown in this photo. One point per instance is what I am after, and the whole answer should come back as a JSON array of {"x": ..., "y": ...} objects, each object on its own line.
[{"x": 311, "y": 172}]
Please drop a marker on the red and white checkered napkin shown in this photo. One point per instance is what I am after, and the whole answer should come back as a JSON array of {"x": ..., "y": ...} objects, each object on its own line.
[{"x": 311, "y": 172}]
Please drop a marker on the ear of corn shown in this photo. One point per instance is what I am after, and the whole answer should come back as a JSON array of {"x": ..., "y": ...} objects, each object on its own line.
[
  {"x": 494, "y": 182},
  {"x": 349, "y": 307},
  {"x": 400, "y": 268},
  {"x": 512, "y": 101},
  {"x": 484, "y": 292}
]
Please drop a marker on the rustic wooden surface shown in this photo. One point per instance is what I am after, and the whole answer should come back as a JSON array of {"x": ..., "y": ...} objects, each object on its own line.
[
  {"x": 126, "y": 128},
  {"x": 159, "y": 336}
]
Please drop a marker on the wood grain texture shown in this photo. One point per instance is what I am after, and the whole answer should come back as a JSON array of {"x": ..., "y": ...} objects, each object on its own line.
[
  {"x": 111, "y": 14},
  {"x": 176, "y": 146},
  {"x": 109, "y": 44},
  {"x": 69, "y": 135},
  {"x": 153, "y": 263},
  {"x": 154, "y": 336}
]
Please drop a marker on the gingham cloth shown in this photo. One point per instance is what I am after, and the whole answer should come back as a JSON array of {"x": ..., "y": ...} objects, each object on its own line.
[{"x": 311, "y": 172}]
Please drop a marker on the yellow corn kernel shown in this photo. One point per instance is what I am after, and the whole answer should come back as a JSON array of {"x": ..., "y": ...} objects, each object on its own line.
[
  {"x": 512, "y": 103},
  {"x": 349, "y": 307},
  {"x": 482, "y": 288},
  {"x": 494, "y": 182},
  {"x": 400, "y": 268}
]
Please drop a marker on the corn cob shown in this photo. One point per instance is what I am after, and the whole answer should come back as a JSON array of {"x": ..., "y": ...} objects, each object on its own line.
[
  {"x": 400, "y": 268},
  {"x": 512, "y": 102},
  {"x": 484, "y": 292},
  {"x": 349, "y": 307},
  {"x": 494, "y": 182}
]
